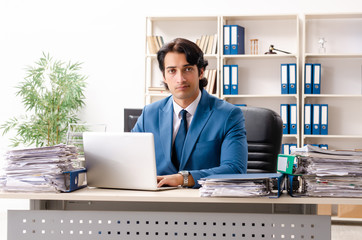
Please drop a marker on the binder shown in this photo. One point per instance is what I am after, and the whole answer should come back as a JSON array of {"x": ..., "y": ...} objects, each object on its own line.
[
  {"x": 308, "y": 78},
  {"x": 284, "y": 113},
  {"x": 292, "y": 78},
  {"x": 316, "y": 119},
  {"x": 323, "y": 146},
  {"x": 307, "y": 119},
  {"x": 285, "y": 149},
  {"x": 293, "y": 119},
  {"x": 284, "y": 78},
  {"x": 273, "y": 182},
  {"x": 75, "y": 179},
  {"x": 226, "y": 84},
  {"x": 296, "y": 185},
  {"x": 237, "y": 37},
  {"x": 316, "y": 78},
  {"x": 292, "y": 147},
  {"x": 227, "y": 39},
  {"x": 286, "y": 163},
  {"x": 234, "y": 79},
  {"x": 324, "y": 119}
]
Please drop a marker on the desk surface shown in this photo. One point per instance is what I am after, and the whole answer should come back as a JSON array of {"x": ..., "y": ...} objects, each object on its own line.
[{"x": 175, "y": 195}]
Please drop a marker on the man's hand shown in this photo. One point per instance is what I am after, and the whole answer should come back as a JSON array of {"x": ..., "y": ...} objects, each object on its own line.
[{"x": 173, "y": 180}]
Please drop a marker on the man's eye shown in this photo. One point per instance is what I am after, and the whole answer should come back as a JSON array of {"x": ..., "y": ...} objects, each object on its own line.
[
  {"x": 188, "y": 69},
  {"x": 171, "y": 71}
]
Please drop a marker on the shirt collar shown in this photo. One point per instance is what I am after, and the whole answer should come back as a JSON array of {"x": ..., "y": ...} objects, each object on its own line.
[{"x": 191, "y": 109}]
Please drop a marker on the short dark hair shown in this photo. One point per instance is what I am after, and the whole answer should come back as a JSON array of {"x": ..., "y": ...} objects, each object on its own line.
[{"x": 193, "y": 53}]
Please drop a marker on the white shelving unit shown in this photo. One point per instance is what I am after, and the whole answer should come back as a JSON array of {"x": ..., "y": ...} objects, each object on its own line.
[
  {"x": 341, "y": 77},
  {"x": 170, "y": 28},
  {"x": 259, "y": 74}
]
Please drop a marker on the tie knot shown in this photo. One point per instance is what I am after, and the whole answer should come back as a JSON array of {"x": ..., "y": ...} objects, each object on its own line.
[{"x": 183, "y": 114}]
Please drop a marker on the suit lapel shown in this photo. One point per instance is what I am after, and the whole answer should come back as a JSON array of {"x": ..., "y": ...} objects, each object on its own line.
[
  {"x": 165, "y": 122},
  {"x": 202, "y": 115}
]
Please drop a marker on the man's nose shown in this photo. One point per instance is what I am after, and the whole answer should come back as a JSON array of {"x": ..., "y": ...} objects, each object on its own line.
[{"x": 180, "y": 76}]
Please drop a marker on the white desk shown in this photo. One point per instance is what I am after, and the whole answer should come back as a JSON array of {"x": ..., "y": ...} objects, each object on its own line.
[{"x": 175, "y": 214}]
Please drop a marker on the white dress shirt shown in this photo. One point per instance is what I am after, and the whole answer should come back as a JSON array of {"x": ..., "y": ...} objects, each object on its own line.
[{"x": 191, "y": 109}]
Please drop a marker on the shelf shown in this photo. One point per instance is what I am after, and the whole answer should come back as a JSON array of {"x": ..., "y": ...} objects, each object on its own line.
[
  {"x": 158, "y": 94},
  {"x": 261, "y": 96},
  {"x": 333, "y": 16},
  {"x": 333, "y": 55},
  {"x": 331, "y": 96},
  {"x": 334, "y": 136},
  {"x": 264, "y": 56},
  {"x": 261, "y": 17}
]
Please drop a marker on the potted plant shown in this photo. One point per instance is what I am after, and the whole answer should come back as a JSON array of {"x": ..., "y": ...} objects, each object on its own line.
[{"x": 52, "y": 94}]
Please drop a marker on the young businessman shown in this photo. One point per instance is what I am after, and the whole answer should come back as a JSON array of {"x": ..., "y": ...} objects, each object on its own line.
[{"x": 209, "y": 139}]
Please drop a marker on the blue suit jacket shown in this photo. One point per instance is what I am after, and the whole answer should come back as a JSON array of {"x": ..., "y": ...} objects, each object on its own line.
[{"x": 215, "y": 141}]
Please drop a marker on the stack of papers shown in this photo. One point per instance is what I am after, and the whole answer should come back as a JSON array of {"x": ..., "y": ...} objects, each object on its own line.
[
  {"x": 238, "y": 185},
  {"x": 329, "y": 173},
  {"x": 38, "y": 169}
]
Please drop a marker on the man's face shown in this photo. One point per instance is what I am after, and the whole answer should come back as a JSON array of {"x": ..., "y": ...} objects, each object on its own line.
[{"x": 182, "y": 78}]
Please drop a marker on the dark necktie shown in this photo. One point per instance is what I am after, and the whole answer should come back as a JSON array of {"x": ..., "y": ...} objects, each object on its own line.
[{"x": 179, "y": 140}]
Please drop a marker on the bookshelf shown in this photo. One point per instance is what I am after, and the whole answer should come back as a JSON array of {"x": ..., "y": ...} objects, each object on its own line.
[
  {"x": 341, "y": 77},
  {"x": 169, "y": 28},
  {"x": 259, "y": 74}
]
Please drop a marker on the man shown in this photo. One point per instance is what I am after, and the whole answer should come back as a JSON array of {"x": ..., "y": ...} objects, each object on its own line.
[{"x": 211, "y": 141}]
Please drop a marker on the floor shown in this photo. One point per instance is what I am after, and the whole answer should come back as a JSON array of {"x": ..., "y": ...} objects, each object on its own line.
[{"x": 348, "y": 231}]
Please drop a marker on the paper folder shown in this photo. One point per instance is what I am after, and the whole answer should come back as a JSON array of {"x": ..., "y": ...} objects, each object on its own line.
[{"x": 273, "y": 181}]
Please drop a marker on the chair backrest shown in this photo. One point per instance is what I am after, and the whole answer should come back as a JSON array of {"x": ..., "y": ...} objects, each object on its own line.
[
  {"x": 264, "y": 131},
  {"x": 130, "y": 118}
]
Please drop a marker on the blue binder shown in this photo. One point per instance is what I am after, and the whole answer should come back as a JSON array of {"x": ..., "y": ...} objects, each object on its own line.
[
  {"x": 316, "y": 119},
  {"x": 227, "y": 40},
  {"x": 292, "y": 78},
  {"x": 308, "y": 78},
  {"x": 308, "y": 119},
  {"x": 284, "y": 78},
  {"x": 234, "y": 79},
  {"x": 284, "y": 113},
  {"x": 237, "y": 37},
  {"x": 323, "y": 146},
  {"x": 226, "y": 82},
  {"x": 316, "y": 78},
  {"x": 293, "y": 119},
  {"x": 324, "y": 119}
]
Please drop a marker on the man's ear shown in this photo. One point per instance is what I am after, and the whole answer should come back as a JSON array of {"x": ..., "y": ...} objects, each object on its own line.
[{"x": 202, "y": 70}]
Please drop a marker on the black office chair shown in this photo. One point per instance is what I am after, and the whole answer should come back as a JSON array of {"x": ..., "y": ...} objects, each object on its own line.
[
  {"x": 264, "y": 130},
  {"x": 130, "y": 118}
]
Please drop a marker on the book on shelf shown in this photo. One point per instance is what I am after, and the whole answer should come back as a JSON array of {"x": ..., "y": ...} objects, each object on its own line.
[
  {"x": 154, "y": 43},
  {"x": 210, "y": 75},
  {"x": 207, "y": 43}
]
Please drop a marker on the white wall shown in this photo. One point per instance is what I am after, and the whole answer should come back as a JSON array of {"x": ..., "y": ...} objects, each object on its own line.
[{"x": 108, "y": 37}]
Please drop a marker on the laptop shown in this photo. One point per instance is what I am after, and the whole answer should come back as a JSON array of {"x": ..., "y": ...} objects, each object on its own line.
[{"x": 121, "y": 160}]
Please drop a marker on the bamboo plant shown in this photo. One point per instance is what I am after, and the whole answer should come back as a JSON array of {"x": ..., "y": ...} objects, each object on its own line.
[{"x": 52, "y": 94}]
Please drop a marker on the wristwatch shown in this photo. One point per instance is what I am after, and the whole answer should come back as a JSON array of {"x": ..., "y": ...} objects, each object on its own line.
[{"x": 185, "y": 175}]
